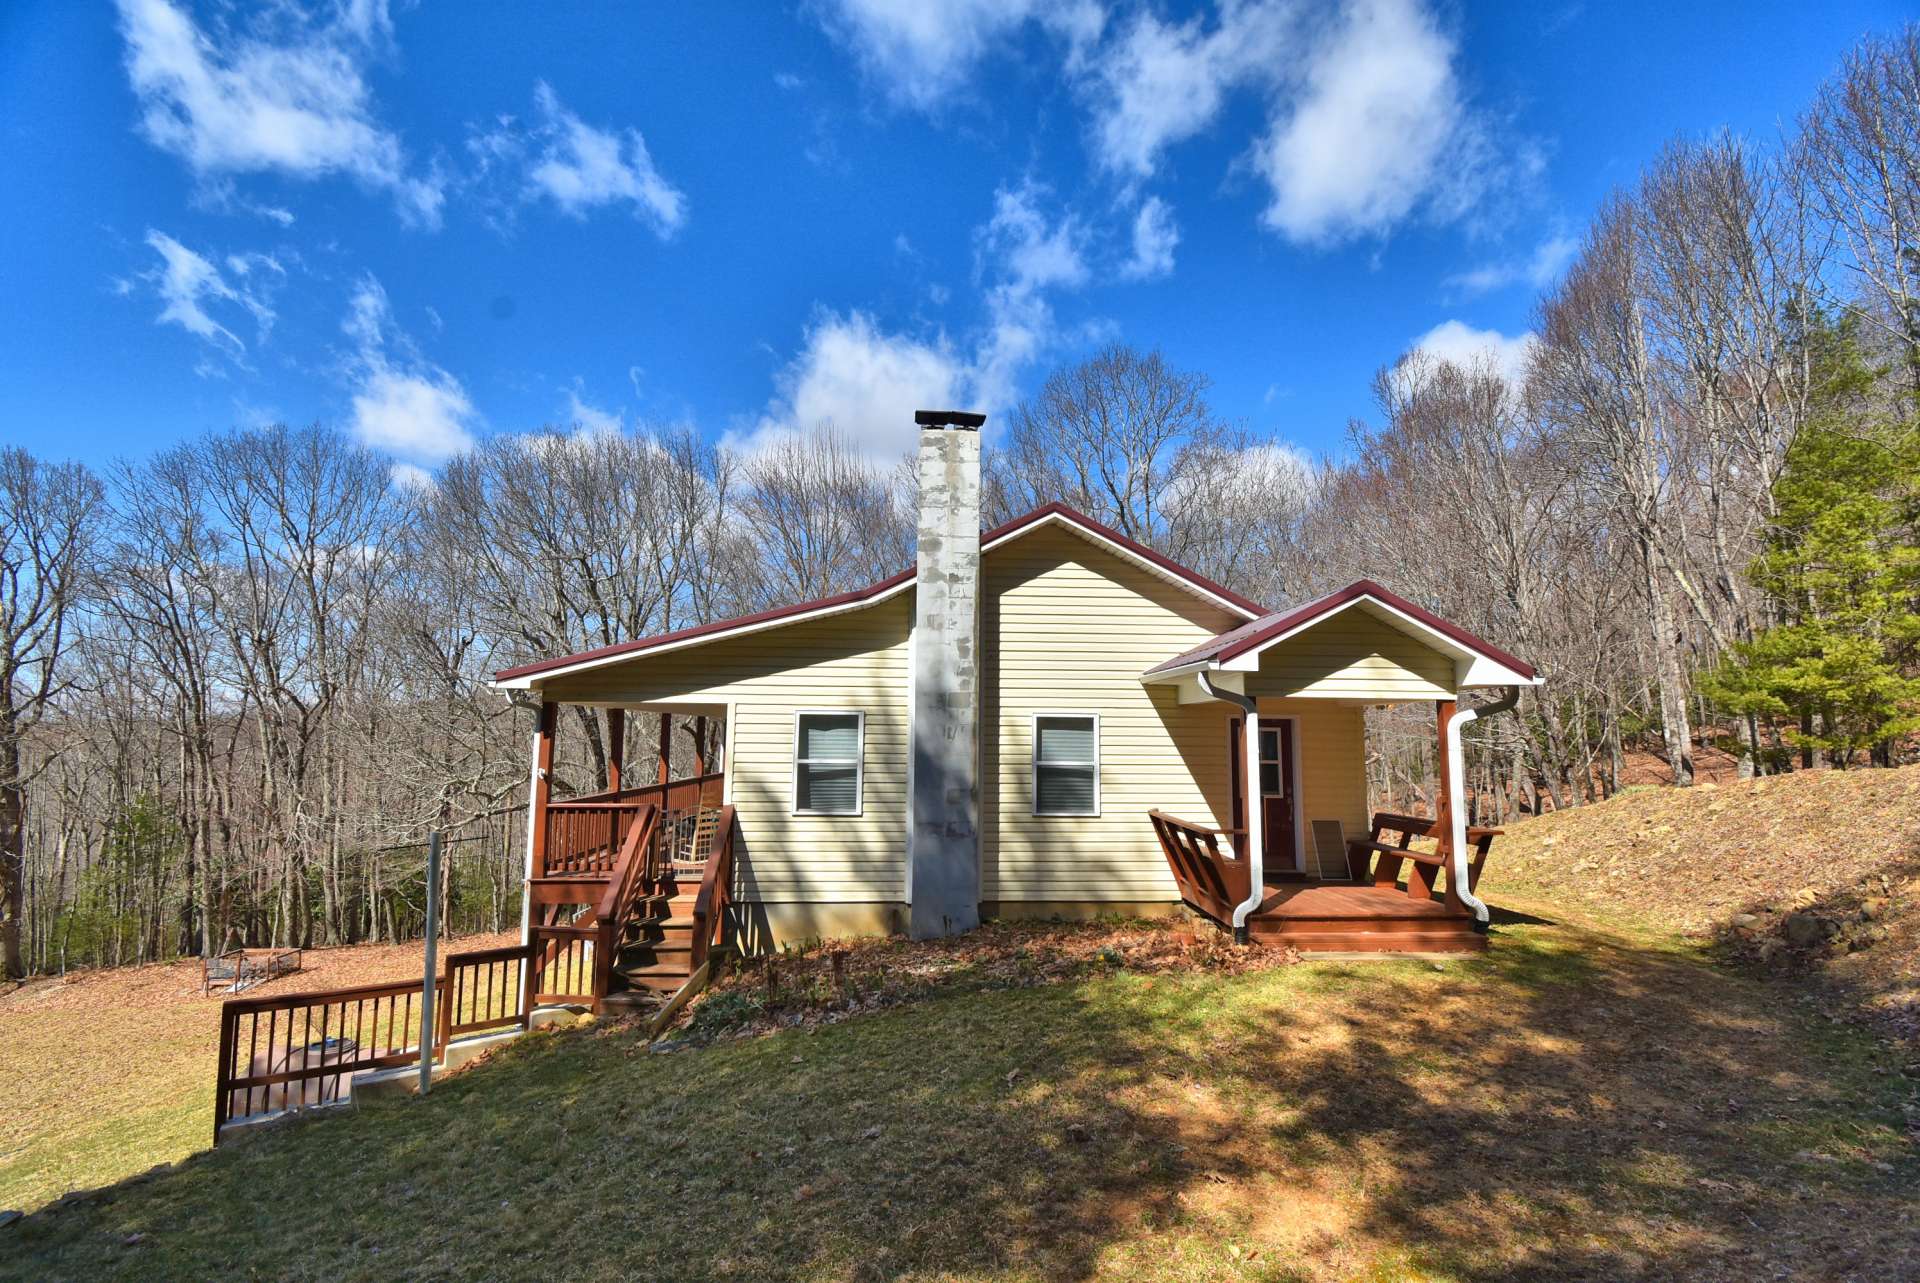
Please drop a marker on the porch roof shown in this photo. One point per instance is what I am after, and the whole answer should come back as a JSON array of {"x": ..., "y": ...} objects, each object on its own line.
[{"x": 1238, "y": 648}]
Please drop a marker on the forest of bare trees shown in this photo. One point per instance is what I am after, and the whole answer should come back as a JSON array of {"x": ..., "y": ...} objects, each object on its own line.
[{"x": 245, "y": 675}]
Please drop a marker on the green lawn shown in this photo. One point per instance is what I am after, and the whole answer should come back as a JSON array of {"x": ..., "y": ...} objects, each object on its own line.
[
  {"x": 1577, "y": 1104},
  {"x": 108, "y": 1073}
]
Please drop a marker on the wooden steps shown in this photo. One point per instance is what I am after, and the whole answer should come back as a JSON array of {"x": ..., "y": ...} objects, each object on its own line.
[
  {"x": 1360, "y": 918},
  {"x": 1463, "y": 940},
  {"x": 657, "y": 952}
]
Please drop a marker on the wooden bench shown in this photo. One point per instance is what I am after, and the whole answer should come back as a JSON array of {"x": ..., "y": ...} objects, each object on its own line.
[{"x": 1373, "y": 860}]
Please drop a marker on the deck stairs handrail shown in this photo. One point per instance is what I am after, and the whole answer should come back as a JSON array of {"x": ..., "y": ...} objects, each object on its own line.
[{"x": 716, "y": 890}]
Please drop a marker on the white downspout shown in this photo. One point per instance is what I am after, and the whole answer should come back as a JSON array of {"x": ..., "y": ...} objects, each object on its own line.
[
  {"x": 1457, "y": 803},
  {"x": 533, "y": 791},
  {"x": 1250, "y": 795}
]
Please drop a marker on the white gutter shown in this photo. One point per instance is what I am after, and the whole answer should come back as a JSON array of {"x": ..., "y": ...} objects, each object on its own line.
[
  {"x": 1250, "y": 797},
  {"x": 1457, "y": 877}
]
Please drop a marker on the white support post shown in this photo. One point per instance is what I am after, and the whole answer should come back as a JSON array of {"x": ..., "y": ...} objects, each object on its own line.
[{"x": 429, "y": 980}]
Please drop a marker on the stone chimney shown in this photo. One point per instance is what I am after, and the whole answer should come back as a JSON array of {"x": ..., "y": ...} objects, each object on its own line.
[{"x": 943, "y": 811}]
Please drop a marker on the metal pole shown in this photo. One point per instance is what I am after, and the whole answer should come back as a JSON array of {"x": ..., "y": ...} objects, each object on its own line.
[{"x": 432, "y": 974}]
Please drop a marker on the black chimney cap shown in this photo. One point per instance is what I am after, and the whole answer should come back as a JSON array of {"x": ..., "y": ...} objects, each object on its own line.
[{"x": 948, "y": 419}]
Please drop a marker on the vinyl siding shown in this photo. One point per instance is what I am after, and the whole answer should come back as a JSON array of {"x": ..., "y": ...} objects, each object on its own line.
[
  {"x": 855, "y": 661},
  {"x": 1068, "y": 627},
  {"x": 1353, "y": 655}
]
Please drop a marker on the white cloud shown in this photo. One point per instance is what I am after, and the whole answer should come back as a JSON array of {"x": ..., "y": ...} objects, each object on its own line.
[
  {"x": 591, "y": 418},
  {"x": 921, "y": 51},
  {"x": 1463, "y": 345},
  {"x": 1023, "y": 254},
  {"x": 863, "y": 381},
  {"x": 1162, "y": 83},
  {"x": 1025, "y": 248},
  {"x": 287, "y": 95},
  {"x": 187, "y": 283},
  {"x": 1154, "y": 240},
  {"x": 1540, "y": 269},
  {"x": 402, "y": 403},
  {"x": 411, "y": 476},
  {"x": 1367, "y": 122},
  {"x": 579, "y": 167},
  {"x": 1378, "y": 127},
  {"x": 867, "y": 381}
]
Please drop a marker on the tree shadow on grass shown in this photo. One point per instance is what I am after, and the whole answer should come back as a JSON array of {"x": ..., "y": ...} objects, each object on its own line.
[{"x": 1568, "y": 1106}]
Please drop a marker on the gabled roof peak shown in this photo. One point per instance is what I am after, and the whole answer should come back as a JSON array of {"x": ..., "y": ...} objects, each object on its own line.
[
  {"x": 1257, "y": 634},
  {"x": 527, "y": 675}
]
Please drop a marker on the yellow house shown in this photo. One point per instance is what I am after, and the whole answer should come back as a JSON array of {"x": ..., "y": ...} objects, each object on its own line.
[{"x": 1043, "y": 718}]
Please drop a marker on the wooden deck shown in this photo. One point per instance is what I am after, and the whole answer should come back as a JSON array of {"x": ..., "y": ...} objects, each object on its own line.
[
  {"x": 1373, "y": 913},
  {"x": 1328, "y": 917}
]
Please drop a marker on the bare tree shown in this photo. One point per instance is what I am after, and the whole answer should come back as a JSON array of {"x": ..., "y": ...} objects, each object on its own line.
[
  {"x": 1859, "y": 147},
  {"x": 49, "y": 516},
  {"x": 815, "y": 518},
  {"x": 1594, "y": 377},
  {"x": 1104, "y": 436}
]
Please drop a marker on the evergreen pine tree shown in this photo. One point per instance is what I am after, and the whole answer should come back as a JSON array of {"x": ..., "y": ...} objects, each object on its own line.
[{"x": 1842, "y": 563}]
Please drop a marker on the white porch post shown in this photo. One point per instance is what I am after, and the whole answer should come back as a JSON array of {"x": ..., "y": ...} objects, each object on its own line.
[{"x": 539, "y": 786}]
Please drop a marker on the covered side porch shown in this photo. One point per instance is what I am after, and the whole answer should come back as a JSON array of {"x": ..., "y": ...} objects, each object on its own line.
[
  {"x": 627, "y": 886},
  {"x": 1290, "y": 866}
]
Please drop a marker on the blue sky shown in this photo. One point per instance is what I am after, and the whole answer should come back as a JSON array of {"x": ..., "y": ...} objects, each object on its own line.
[{"x": 432, "y": 222}]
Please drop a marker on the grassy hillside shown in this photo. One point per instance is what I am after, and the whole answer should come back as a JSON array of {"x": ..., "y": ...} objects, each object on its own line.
[
  {"x": 105, "y": 1073},
  {"x": 1814, "y": 875},
  {"x": 1578, "y": 1103}
]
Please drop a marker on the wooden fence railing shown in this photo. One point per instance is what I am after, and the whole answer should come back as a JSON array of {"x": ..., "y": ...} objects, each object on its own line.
[
  {"x": 1211, "y": 880},
  {"x": 296, "y": 1050},
  {"x": 299, "y": 1049},
  {"x": 565, "y": 964},
  {"x": 484, "y": 990}
]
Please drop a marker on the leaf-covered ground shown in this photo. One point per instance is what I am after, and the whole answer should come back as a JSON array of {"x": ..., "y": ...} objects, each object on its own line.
[
  {"x": 1580, "y": 1103},
  {"x": 105, "y": 1073},
  {"x": 1738, "y": 862}
]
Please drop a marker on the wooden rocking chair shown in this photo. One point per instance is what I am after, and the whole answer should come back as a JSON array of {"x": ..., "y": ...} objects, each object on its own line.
[{"x": 694, "y": 844}]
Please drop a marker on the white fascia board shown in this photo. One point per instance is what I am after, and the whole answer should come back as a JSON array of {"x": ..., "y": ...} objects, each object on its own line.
[
  {"x": 532, "y": 681},
  {"x": 1183, "y": 673},
  {"x": 1100, "y": 540}
]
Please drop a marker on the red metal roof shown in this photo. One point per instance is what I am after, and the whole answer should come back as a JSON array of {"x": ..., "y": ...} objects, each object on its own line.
[
  {"x": 882, "y": 588},
  {"x": 1250, "y": 636}
]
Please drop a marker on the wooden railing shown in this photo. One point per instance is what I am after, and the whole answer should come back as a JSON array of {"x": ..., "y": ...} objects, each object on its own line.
[
  {"x": 716, "y": 892},
  {"x": 302, "y": 1049},
  {"x": 1372, "y": 860},
  {"x": 1211, "y": 880},
  {"x": 484, "y": 990},
  {"x": 584, "y": 834},
  {"x": 565, "y": 968},
  {"x": 632, "y": 874},
  {"x": 584, "y": 838},
  {"x": 572, "y": 962}
]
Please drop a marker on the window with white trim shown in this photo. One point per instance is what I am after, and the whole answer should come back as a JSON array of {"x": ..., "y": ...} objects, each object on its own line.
[
  {"x": 1066, "y": 764},
  {"x": 828, "y": 762}
]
